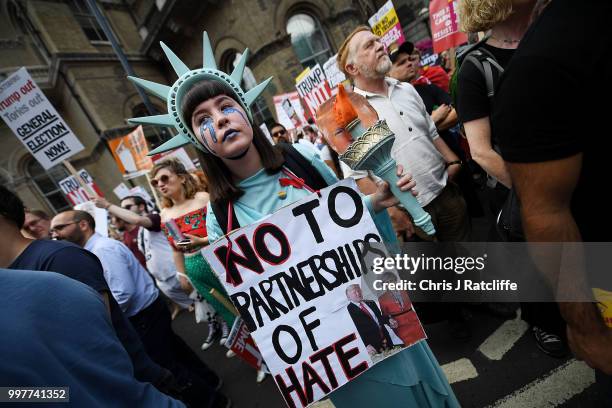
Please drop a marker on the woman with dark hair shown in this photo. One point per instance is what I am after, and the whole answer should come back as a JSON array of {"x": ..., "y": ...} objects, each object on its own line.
[{"x": 252, "y": 179}]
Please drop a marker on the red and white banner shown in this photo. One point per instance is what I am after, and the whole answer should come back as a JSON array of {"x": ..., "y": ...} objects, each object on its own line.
[
  {"x": 241, "y": 343},
  {"x": 444, "y": 22},
  {"x": 289, "y": 110},
  {"x": 314, "y": 89},
  {"x": 73, "y": 190}
]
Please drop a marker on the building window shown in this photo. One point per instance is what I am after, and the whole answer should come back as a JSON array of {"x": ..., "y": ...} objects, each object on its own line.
[
  {"x": 47, "y": 183},
  {"x": 87, "y": 21},
  {"x": 261, "y": 112},
  {"x": 308, "y": 40}
]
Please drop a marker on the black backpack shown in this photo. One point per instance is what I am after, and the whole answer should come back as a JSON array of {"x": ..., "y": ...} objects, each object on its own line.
[
  {"x": 296, "y": 163},
  {"x": 483, "y": 60},
  {"x": 509, "y": 221}
]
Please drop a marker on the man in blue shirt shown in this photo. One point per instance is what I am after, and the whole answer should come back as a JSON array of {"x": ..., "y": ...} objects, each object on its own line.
[
  {"x": 18, "y": 252},
  {"x": 129, "y": 282},
  {"x": 134, "y": 290},
  {"x": 48, "y": 342}
]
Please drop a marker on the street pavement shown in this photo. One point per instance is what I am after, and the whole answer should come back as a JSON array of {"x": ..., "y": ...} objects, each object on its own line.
[{"x": 500, "y": 366}]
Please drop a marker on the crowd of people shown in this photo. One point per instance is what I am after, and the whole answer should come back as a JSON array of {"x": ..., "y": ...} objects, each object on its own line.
[{"x": 507, "y": 132}]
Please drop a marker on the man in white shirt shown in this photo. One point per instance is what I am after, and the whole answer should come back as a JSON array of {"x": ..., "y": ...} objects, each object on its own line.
[{"x": 417, "y": 147}]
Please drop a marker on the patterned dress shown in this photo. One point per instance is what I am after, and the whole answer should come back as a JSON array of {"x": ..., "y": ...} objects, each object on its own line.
[{"x": 196, "y": 268}]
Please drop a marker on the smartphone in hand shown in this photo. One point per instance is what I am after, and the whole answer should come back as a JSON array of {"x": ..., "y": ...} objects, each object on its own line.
[{"x": 183, "y": 242}]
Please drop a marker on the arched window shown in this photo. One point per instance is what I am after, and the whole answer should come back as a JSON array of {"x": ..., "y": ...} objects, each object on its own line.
[
  {"x": 47, "y": 182},
  {"x": 308, "y": 39}
]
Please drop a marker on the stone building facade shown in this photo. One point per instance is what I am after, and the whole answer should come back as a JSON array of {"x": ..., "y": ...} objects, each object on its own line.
[{"x": 71, "y": 59}]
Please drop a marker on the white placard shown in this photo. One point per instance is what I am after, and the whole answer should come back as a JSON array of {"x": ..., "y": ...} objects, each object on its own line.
[
  {"x": 333, "y": 73},
  {"x": 290, "y": 276},
  {"x": 100, "y": 216},
  {"x": 266, "y": 132},
  {"x": 35, "y": 122},
  {"x": 293, "y": 100},
  {"x": 180, "y": 154},
  {"x": 121, "y": 191}
]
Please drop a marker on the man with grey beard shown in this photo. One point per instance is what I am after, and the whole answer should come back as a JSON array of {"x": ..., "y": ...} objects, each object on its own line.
[{"x": 417, "y": 146}]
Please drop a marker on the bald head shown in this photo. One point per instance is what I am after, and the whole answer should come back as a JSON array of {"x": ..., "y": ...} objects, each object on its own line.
[{"x": 74, "y": 226}]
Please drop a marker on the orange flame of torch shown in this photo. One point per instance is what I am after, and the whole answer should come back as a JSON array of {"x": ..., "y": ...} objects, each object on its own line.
[{"x": 344, "y": 113}]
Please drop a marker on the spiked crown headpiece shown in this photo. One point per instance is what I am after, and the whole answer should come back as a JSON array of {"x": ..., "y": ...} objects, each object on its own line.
[{"x": 186, "y": 80}]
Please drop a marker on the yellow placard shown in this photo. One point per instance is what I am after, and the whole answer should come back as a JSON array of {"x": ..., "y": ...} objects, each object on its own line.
[
  {"x": 302, "y": 75},
  {"x": 388, "y": 21},
  {"x": 604, "y": 303}
]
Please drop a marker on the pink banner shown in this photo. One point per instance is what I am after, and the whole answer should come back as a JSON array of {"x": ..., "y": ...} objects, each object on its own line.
[{"x": 444, "y": 24}]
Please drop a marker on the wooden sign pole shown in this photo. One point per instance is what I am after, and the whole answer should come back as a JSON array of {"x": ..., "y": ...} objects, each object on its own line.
[{"x": 90, "y": 191}]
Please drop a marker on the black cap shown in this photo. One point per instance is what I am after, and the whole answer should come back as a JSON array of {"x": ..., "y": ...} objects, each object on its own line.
[{"x": 406, "y": 47}]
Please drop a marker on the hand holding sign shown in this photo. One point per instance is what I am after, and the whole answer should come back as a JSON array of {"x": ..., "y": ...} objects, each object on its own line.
[
  {"x": 367, "y": 149},
  {"x": 287, "y": 275}
]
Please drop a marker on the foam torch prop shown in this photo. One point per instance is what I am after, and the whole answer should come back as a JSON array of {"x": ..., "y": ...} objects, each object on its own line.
[{"x": 351, "y": 127}]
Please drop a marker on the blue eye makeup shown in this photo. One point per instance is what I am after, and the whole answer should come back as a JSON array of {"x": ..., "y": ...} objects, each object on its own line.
[{"x": 229, "y": 109}]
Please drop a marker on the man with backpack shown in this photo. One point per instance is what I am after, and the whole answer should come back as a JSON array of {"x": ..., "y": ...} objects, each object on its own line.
[{"x": 480, "y": 69}]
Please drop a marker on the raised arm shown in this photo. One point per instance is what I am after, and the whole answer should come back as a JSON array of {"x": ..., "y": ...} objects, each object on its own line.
[{"x": 125, "y": 215}]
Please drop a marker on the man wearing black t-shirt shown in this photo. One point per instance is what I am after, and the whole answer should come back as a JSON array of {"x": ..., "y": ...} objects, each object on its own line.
[
  {"x": 18, "y": 252},
  {"x": 406, "y": 68},
  {"x": 549, "y": 116}
]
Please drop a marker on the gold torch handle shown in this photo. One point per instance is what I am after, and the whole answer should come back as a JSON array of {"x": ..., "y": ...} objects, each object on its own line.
[{"x": 224, "y": 301}]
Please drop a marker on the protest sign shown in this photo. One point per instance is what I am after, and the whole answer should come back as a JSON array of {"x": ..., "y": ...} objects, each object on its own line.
[
  {"x": 75, "y": 192},
  {"x": 294, "y": 278},
  {"x": 121, "y": 191},
  {"x": 180, "y": 154},
  {"x": 130, "y": 153},
  {"x": 386, "y": 25},
  {"x": 29, "y": 114},
  {"x": 241, "y": 343},
  {"x": 333, "y": 73},
  {"x": 313, "y": 88},
  {"x": 444, "y": 22},
  {"x": 289, "y": 111},
  {"x": 100, "y": 216}
]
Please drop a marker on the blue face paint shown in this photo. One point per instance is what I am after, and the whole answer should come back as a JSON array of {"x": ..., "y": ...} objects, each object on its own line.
[
  {"x": 230, "y": 109},
  {"x": 207, "y": 125}
]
